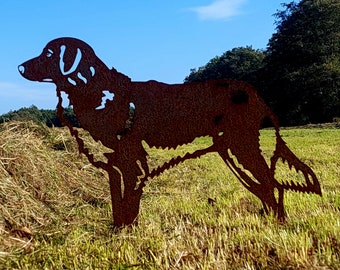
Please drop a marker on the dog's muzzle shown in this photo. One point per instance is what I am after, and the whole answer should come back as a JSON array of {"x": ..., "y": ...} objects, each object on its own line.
[{"x": 30, "y": 70}]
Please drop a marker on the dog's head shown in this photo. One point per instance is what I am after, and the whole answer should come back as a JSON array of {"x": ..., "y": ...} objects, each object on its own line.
[{"x": 64, "y": 61}]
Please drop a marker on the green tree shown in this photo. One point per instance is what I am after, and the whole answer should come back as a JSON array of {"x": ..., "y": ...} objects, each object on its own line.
[
  {"x": 240, "y": 63},
  {"x": 302, "y": 64},
  {"x": 46, "y": 117},
  {"x": 24, "y": 114}
]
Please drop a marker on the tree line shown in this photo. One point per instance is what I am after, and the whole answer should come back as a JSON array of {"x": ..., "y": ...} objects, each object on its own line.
[
  {"x": 46, "y": 117},
  {"x": 40, "y": 116},
  {"x": 299, "y": 72}
]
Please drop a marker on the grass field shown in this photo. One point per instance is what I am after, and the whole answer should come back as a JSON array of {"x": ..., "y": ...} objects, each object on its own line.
[{"x": 55, "y": 210}]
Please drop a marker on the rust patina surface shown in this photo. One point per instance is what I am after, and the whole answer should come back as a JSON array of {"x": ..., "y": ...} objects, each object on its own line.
[{"x": 164, "y": 115}]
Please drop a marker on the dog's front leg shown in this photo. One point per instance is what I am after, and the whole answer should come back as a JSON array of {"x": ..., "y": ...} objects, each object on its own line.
[
  {"x": 125, "y": 192},
  {"x": 125, "y": 199},
  {"x": 116, "y": 198}
]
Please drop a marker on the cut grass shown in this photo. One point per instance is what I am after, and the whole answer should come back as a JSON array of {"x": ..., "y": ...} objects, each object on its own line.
[{"x": 56, "y": 213}]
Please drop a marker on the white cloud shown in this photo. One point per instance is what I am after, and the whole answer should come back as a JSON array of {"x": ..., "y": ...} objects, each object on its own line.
[{"x": 219, "y": 9}]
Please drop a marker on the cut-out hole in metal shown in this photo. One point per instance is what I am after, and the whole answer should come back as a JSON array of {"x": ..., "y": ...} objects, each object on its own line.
[
  {"x": 108, "y": 96},
  {"x": 76, "y": 60}
]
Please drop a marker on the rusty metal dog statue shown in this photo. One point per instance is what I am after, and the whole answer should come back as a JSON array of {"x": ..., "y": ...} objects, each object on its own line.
[{"x": 165, "y": 115}]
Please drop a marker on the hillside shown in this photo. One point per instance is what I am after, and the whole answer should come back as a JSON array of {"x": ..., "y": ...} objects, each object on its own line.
[{"x": 55, "y": 209}]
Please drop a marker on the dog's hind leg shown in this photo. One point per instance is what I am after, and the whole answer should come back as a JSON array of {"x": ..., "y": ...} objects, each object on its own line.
[{"x": 243, "y": 157}]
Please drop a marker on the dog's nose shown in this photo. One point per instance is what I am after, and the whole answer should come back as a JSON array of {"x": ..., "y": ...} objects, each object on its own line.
[{"x": 21, "y": 69}]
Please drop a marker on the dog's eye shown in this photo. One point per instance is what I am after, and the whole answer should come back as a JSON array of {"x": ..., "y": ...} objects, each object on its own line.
[{"x": 49, "y": 53}]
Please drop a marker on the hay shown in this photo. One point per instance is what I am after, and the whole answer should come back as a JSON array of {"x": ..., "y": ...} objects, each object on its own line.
[{"x": 42, "y": 178}]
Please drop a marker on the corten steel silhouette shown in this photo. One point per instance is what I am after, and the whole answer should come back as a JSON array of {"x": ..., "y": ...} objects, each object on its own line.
[{"x": 228, "y": 111}]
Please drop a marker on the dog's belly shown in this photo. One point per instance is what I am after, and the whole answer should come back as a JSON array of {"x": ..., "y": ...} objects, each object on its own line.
[
  {"x": 174, "y": 131},
  {"x": 171, "y": 139}
]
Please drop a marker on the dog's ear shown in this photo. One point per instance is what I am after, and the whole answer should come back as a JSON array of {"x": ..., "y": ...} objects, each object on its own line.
[{"x": 69, "y": 59}]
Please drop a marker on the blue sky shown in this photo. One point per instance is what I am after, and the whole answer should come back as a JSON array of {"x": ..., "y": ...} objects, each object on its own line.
[{"x": 150, "y": 39}]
